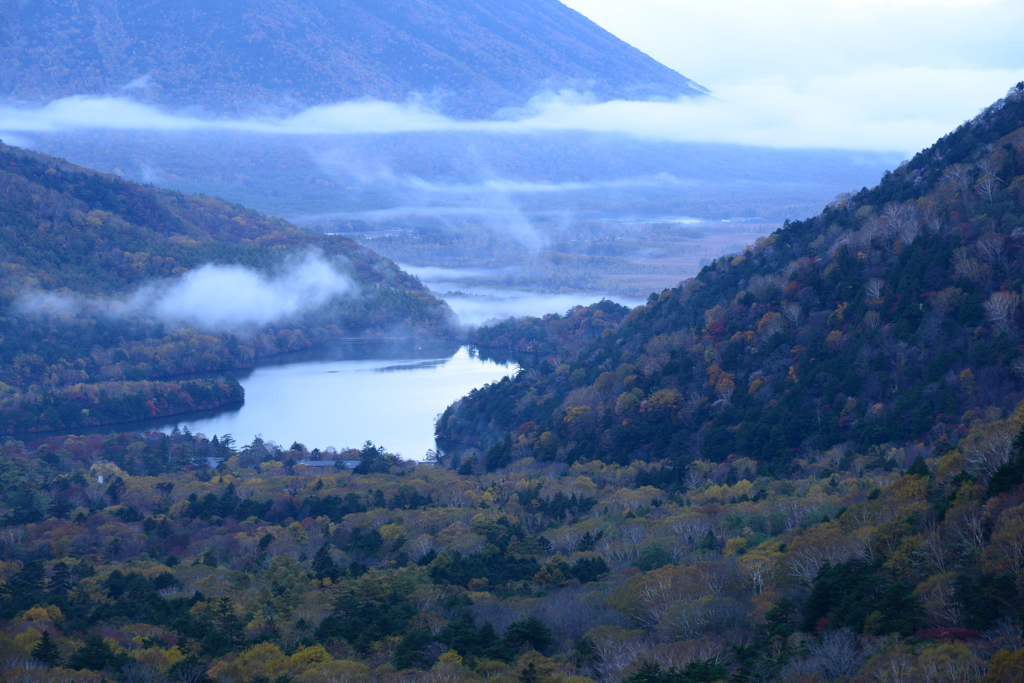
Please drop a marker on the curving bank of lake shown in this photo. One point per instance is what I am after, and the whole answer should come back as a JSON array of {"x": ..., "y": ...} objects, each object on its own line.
[{"x": 344, "y": 396}]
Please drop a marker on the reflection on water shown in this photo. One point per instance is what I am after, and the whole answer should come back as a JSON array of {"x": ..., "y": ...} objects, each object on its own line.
[
  {"x": 412, "y": 366},
  {"x": 388, "y": 395}
]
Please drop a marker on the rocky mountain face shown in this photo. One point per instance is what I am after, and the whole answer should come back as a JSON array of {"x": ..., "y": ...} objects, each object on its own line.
[{"x": 470, "y": 57}]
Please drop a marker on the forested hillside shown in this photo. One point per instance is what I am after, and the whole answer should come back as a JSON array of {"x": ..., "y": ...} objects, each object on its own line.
[
  {"x": 805, "y": 465},
  {"x": 892, "y": 318},
  {"x": 554, "y": 333},
  {"x": 76, "y": 245},
  {"x": 125, "y": 558},
  {"x": 232, "y": 56}
]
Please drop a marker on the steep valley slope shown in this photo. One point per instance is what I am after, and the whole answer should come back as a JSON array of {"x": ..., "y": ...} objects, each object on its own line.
[
  {"x": 76, "y": 246},
  {"x": 891, "y": 317}
]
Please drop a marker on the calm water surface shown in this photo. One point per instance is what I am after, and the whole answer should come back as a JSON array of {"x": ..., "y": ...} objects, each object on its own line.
[{"x": 340, "y": 400}]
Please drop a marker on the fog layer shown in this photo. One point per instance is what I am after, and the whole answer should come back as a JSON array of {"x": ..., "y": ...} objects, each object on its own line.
[
  {"x": 770, "y": 113},
  {"x": 215, "y": 298}
]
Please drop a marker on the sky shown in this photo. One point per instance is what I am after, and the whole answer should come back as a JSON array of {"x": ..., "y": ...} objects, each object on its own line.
[
  {"x": 829, "y": 70},
  {"x": 873, "y": 75}
]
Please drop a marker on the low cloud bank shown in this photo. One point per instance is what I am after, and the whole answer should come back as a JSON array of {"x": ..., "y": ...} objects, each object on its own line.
[
  {"x": 478, "y": 305},
  {"x": 883, "y": 108},
  {"x": 512, "y": 186},
  {"x": 215, "y": 298},
  {"x": 487, "y": 306}
]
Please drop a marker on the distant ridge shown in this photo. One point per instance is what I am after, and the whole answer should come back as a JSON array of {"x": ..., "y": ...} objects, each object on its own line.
[{"x": 228, "y": 56}]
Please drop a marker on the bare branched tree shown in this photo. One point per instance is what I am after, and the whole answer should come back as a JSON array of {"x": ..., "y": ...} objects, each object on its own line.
[
  {"x": 991, "y": 247},
  {"x": 959, "y": 175},
  {"x": 189, "y": 673},
  {"x": 1006, "y": 635},
  {"x": 421, "y": 547},
  {"x": 793, "y": 312},
  {"x": 569, "y": 542},
  {"x": 873, "y": 288},
  {"x": 974, "y": 270},
  {"x": 1001, "y": 309},
  {"x": 894, "y": 667},
  {"x": 983, "y": 452},
  {"x": 932, "y": 219},
  {"x": 632, "y": 533},
  {"x": 872, "y": 319},
  {"x": 142, "y": 673},
  {"x": 967, "y": 525},
  {"x": 12, "y": 535},
  {"x": 903, "y": 220},
  {"x": 987, "y": 187},
  {"x": 836, "y": 655}
]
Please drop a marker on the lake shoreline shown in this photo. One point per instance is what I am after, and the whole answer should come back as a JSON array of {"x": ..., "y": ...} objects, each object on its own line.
[{"x": 338, "y": 396}]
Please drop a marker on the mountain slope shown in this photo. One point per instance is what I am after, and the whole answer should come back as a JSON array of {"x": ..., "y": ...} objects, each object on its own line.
[
  {"x": 75, "y": 248},
  {"x": 892, "y": 317},
  {"x": 231, "y": 55}
]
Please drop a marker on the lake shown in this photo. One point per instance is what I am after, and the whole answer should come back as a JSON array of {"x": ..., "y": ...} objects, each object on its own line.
[
  {"x": 387, "y": 393},
  {"x": 344, "y": 396}
]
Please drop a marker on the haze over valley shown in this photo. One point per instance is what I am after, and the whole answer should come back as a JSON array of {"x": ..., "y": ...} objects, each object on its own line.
[
  {"x": 461, "y": 341},
  {"x": 469, "y": 200},
  {"x": 564, "y": 163}
]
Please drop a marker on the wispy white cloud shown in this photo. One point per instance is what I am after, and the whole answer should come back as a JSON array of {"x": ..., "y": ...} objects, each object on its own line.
[
  {"x": 898, "y": 109},
  {"x": 140, "y": 83},
  {"x": 123, "y": 113},
  {"x": 408, "y": 211},
  {"x": 510, "y": 186},
  {"x": 889, "y": 75},
  {"x": 16, "y": 140},
  {"x": 440, "y": 274},
  {"x": 476, "y": 304},
  {"x": 232, "y": 297},
  {"x": 479, "y": 305},
  {"x": 214, "y": 297}
]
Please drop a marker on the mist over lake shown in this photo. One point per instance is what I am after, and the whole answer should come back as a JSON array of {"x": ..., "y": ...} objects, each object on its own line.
[{"x": 466, "y": 290}]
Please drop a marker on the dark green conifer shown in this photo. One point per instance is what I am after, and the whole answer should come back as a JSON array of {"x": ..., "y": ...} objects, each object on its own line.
[
  {"x": 532, "y": 633},
  {"x": 529, "y": 674},
  {"x": 919, "y": 468},
  {"x": 47, "y": 651},
  {"x": 59, "y": 507},
  {"x": 60, "y": 582},
  {"x": 708, "y": 542},
  {"x": 95, "y": 654},
  {"x": 323, "y": 565}
]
